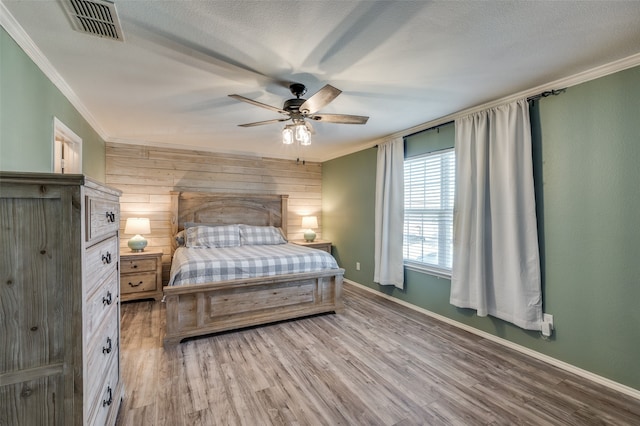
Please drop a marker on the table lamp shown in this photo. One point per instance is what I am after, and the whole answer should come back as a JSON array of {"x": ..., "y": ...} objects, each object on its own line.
[
  {"x": 137, "y": 226},
  {"x": 309, "y": 223}
]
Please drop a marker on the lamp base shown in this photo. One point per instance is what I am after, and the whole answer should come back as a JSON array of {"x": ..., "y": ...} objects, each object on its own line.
[
  {"x": 309, "y": 236},
  {"x": 137, "y": 244}
]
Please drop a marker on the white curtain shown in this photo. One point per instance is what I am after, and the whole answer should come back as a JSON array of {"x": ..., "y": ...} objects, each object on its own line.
[
  {"x": 389, "y": 214},
  {"x": 496, "y": 263}
]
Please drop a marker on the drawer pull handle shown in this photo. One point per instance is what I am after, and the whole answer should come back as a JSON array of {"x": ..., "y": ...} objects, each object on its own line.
[
  {"x": 106, "y": 402},
  {"x": 106, "y": 258},
  {"x": 107, "y": 350},
  {"x": 111, "y": 217},
  {"x": 135, "y": 285},
  {"x": 107, "y": 299}
]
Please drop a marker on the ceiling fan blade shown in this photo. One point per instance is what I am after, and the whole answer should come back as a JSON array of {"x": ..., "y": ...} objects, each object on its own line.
[
  {"x": 320, "y": 99},
  {"x": 339, "y": 118},
  {"x": 260, "y": 104},
  {"x": 310, "y": 128},
  {"x": 260, "y": 123}
]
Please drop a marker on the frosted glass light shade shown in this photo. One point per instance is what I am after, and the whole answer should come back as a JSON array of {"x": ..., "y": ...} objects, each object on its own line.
[
  {"x": 287, "y": 136},
  {"x": 303, "y": 135}
]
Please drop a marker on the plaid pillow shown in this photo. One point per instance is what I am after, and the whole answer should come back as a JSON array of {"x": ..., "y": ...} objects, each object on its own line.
[
  {"x": 260, "y": 235},
  {"x": 213, "y": 236}
]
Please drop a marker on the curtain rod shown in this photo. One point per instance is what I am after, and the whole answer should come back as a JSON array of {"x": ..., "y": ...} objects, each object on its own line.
[
  {"x": 430, "y": 128},
  {"x": 422, "y": 131},
  {"x": 554, "y": 92},
  {"x": 546, "y": 93}
]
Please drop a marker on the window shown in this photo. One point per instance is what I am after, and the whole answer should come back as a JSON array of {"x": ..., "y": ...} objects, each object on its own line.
[{"x": 429, "y": 183}]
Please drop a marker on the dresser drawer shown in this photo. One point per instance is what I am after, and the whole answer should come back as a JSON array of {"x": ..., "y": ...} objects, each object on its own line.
[
  {"x": 103, "y": 349},
  {"x": 136, "y": 283},
  {"x": 103, "y": 217},
  {"x": 101, "y": 261},
  {"x": 137, "y": 265},
  {"x": 101, "y": 304},
  {"x": 108, "y": 396}
]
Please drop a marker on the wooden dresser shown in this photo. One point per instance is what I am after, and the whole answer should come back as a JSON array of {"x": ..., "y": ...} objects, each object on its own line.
[{"x": 59, "y": 294}]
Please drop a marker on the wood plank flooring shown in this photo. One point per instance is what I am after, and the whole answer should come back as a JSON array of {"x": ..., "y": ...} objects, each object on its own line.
[{"x": 379, "y": 363}]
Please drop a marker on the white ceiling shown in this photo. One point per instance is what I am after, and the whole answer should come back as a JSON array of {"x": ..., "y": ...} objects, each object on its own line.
[{"x": 402, "y": 63}]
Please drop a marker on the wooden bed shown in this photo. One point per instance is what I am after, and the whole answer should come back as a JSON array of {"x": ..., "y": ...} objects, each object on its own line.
[{"x": 200, "y": 309}]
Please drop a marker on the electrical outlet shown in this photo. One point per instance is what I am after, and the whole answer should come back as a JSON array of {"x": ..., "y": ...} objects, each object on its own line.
[
  {"x": 547, "y": 325},
  {"x": 548, "y": 318},
  {"x": 357, "y": 266}
]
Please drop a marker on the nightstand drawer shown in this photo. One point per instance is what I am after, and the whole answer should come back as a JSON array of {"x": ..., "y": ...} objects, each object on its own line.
[
  {"x": 136, "y": 283},
  {"x": 137, "y": 265}
]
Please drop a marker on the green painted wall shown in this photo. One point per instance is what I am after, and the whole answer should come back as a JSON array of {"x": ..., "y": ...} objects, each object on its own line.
[
  {"x": 586, "y": 160},
  {"x": 28, "y": 103}
]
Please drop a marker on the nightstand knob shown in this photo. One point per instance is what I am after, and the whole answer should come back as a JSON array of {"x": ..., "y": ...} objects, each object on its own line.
[{"x": 135, "y": 285}]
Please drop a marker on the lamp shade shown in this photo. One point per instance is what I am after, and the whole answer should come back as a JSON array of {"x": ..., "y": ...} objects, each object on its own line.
[
  {"x": 309, "y": 222},
  {"x": 137, "y": 226}
]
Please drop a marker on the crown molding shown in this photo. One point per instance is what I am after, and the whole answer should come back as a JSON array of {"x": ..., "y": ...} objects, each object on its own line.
[
  {"x": 20, "y": 36},
  {"x": 573, "y": 80}
]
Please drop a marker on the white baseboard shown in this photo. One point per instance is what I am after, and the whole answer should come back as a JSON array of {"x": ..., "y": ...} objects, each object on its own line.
[{"x": 635, "y": 393}]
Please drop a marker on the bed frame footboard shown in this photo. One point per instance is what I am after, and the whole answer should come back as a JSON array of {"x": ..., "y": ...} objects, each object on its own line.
[{"x": 196, "y": 310}]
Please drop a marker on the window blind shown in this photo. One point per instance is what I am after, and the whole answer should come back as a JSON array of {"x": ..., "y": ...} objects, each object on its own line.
[{"x": 429, "y": 182}]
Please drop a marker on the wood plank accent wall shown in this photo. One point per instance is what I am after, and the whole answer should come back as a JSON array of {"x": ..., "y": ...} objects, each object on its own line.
[{"x": 146, "y": 175}]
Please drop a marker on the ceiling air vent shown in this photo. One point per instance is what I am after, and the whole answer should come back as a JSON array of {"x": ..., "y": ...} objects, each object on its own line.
[{"x": 95, "y": 17}]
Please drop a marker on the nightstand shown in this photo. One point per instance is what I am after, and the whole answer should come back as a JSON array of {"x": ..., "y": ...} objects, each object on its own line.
[
  {"x": 316, "y": 244},
  {"x": 141, "y": 275}
]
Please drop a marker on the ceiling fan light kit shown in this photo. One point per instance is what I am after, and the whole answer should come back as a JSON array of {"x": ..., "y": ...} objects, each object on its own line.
[
  {"x": 297, "y": 132},
  {"x": 299, "y": 109}
]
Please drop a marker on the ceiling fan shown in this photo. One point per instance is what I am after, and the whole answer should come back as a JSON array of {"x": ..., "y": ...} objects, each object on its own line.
[{"x": 299, "y": 109}]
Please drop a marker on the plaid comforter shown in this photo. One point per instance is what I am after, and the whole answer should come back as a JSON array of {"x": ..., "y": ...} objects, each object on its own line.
[{"x": 204, "y": 265}]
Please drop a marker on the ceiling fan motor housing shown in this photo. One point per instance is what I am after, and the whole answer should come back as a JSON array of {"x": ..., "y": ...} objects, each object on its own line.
[{"x": 293, "y": 105}]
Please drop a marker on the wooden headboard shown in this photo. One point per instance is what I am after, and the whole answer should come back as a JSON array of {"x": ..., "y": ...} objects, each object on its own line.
[{"x": 227, "y": 209}]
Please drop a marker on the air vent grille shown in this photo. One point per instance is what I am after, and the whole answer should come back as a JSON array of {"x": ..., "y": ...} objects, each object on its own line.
[{"x": 95, "y": 17}]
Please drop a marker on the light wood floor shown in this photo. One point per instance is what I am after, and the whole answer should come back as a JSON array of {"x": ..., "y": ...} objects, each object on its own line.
[{"x": 377, "y": 364}]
